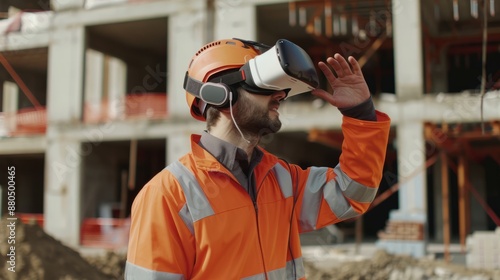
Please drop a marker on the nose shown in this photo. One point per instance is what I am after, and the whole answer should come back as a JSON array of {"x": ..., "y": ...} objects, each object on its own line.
[{"x": 279, "y": 95}]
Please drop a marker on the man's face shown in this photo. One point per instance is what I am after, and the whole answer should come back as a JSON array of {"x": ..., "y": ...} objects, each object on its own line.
[{"x": 258, "y": 114}]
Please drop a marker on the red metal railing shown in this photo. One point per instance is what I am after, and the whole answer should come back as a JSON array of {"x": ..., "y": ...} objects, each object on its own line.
[
  {"x": 132, "y": 106},
  {"x": 25, "y": 122},
  {"x": 108, "y": 233},
  {"x": 104, "y": 232},
  {"x": 32, "y": 121}
]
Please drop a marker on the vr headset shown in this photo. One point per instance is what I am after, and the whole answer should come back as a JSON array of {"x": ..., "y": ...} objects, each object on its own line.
[{"x": 285, "y": 66}]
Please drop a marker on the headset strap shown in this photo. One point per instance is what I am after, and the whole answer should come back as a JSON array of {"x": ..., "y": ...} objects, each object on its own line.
[{"x": 193, "y": 86}]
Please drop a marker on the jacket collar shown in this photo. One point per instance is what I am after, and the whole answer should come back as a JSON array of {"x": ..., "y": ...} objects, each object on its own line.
[
  {"x": 207, "y": 161},
  {"x": 226, "y": 153}
]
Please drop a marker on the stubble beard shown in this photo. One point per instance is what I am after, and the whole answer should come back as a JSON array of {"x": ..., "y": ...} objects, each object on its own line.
[{"x": 255, "y": 120}]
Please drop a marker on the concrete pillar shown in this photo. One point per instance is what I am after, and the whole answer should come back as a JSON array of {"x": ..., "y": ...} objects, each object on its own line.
[
  {"x": 63, "y": 155},
  {"x": 408, "y": 57},
  {"x": 229, "y": 22},
  {"x": 65, "y": 75},
  {"x": 411, "y": 169},
  {"x": 62, "y": 191},
  {"x": 116, "y": 85},
  {"x": 184, "y": 26},
  {"x": 177, "y": 146},
  {"x": 185, "y": 37},
  {"x": 93, "y": 84},
  {"x": 10, "y": 104},
  {"x": 408, "y": 64}
]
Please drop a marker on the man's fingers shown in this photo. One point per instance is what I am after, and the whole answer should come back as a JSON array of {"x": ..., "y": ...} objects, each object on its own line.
[
  {"x": 326, "y": 71},
  {"x": 336, "y": 66},
  {"x": 324, "y": 95},
  {"x": 355, "y": 66},
  {"x": 343, "y": 63}
]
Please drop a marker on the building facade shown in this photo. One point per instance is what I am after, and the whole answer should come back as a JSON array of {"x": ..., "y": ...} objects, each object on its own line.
[{"x": 93, "y": 105}]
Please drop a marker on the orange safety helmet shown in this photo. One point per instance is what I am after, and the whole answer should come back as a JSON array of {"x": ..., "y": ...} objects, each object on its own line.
[{"x": 214, "y": 58}]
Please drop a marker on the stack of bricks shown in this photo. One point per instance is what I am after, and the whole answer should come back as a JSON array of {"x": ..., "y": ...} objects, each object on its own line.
[
  {"x": 483, "y": 249},
  {"x": 402, "y": 230}
]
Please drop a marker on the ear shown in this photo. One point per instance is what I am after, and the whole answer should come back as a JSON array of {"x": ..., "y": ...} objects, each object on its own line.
[{"x": 217, "y": 94}]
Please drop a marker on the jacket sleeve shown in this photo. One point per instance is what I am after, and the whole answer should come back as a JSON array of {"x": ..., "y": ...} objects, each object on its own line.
[
  {"x": 328, "y": 195},
  {"x": 161, "y": 243}
]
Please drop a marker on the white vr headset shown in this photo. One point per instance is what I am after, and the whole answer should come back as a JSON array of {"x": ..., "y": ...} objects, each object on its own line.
[{"x": 283, "y": 67}]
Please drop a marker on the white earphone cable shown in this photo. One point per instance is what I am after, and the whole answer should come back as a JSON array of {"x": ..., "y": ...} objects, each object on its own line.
[{"x": 232, "y": 116}]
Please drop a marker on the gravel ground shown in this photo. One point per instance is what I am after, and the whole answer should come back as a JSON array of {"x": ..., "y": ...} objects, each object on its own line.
[
  {"x": 384, "y": 266},
  {"x": 39, "y": 256}
]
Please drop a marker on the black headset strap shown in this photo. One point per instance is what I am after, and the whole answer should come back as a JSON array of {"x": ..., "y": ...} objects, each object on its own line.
[{"x": 193, "y": 86}]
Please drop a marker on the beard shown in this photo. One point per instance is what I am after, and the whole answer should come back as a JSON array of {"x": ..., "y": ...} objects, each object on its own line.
[{"x": 255, "y": 120}]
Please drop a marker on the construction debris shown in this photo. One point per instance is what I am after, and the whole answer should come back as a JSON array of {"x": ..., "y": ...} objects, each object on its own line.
[
  {"x": 384, "y": 266},
  {"x": 483, "y": 249},
  {"x": 36, "y": 255},
  {"x": 110, "y": 263},
  {"x": 40, "y": 256}
]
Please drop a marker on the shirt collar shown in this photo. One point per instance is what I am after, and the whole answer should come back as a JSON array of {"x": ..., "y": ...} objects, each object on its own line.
[{"x": 225, "y": 152}]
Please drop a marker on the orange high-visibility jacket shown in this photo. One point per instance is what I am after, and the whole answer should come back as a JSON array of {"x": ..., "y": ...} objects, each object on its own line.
[{"x": 194, "y": 221}]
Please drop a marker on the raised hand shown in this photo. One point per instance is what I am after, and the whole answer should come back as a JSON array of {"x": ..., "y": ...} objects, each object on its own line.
[{"x": 349, "y": 87}]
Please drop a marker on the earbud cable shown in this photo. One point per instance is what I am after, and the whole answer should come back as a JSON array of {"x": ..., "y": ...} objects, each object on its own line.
[{"x": 232, "y": 116}]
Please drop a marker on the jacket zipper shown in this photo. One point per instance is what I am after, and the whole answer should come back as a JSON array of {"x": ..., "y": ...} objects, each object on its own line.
[{"x": 256, "y": 207}]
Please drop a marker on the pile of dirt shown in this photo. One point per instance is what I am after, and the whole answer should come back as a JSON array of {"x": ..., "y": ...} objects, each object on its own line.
[
  {"x": 384, "y": 266},
  {"x": 111, "y": 264},
  {"x": 37, "y": 255}
]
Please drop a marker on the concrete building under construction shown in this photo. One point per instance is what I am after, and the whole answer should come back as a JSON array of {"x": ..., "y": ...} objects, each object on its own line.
[{"x": 92, "y": 106}]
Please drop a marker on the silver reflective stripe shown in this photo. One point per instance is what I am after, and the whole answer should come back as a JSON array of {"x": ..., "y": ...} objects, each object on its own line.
[
  {"x": 353, "y": 189},
  {"x": 293, "y": 270},
  {"x": 284, "y": 180},
  {"x": 312, "y": 198},
  {"x": 135, "y": 272},
  {"x": 197, "y": 201},
  {"x": 297, "y": 272},
  {"x": 260, "y": 276},
  {"x": 186, "y": 217},
  {"x": 277, "y": 274},
  {"x": 337, "y": 202}
]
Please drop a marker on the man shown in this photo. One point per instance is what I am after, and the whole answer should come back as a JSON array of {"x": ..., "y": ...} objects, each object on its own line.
[{"x": 231, "y": 210}]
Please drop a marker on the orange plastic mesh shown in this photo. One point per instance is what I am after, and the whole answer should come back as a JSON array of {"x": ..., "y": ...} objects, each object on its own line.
[
  {"x": 109, "y": 233},
  {"x": 105, "y": 232},
  {"x": 132, "y": 106},
  {"x": 26, "y": 121}
]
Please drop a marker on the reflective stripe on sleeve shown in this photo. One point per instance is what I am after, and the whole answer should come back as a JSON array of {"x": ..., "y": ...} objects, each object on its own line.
[
  {"x": 336, "y": 192},
  {"x": 292, "y": 271},
  {"x": 135, "y": 272},
  {"x": 260, "y": 276},
  {"x": 353, "y": 189},
  {"x": 277, "y": 274},
  {"x": 186, "y": 217},
  {"x": 197, "y": 201},
  {"x": 295, "y": 273},
  {"x": 337, "y": 201},
  {"x": 284, "y": 180},
  {"x": 312, "y": 198}
]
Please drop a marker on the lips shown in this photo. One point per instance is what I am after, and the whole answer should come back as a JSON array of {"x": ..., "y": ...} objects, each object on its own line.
[{"x": 274, "y": 106}]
